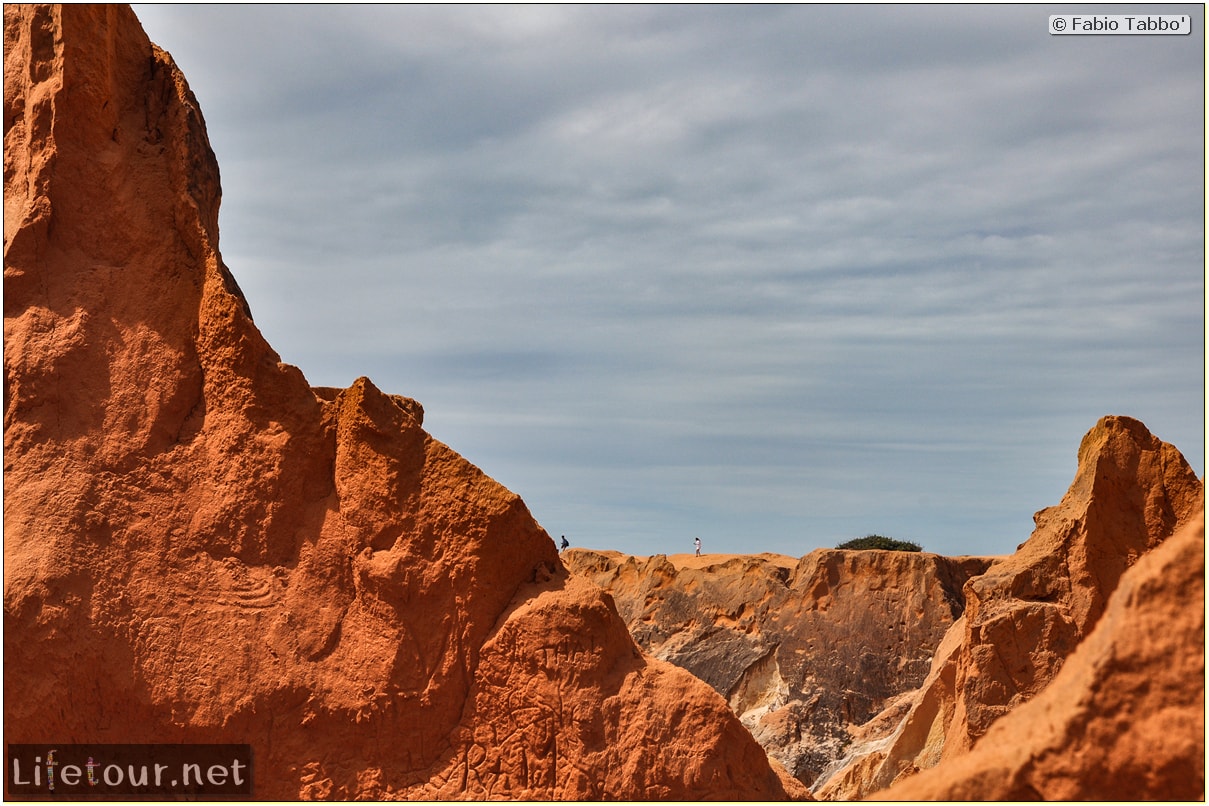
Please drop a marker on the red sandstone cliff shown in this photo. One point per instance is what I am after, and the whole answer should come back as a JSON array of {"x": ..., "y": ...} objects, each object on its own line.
[
  {"x": 805, "y": 650},
  {"x": 1124, "y": 719},
  {"x": 808, "y": 651},
  {"x": 1025, "y": 616},
  {"x": 199, "y": 547}
]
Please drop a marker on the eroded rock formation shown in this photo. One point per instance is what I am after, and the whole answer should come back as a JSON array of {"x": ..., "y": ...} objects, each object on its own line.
[
  {"x": 1027, "y": 613},
  {"x": 199, "y": 547},
  {"x": 803, "y": 650},
  {"x": 1124, "y": 719},
  {"x": 857, "y": 670}
]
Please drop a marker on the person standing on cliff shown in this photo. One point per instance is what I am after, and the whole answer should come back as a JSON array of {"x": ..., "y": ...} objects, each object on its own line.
[
  {"x": 697, "y": 545},
  {"x": 563, "y": 544}
]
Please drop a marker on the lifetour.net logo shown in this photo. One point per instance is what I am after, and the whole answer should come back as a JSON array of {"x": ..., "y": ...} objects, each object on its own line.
[{"x": 99, "y": 770}]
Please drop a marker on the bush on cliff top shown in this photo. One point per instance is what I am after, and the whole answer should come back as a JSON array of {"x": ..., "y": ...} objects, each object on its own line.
[{"x": 879, "y": 542}]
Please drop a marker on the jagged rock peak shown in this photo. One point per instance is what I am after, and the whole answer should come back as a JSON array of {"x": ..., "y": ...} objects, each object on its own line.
[
  {"x": 1026, "y": 615},
  {"x": 1124, "y": 718}
]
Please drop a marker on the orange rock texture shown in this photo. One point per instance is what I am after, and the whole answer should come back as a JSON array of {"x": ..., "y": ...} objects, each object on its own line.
[
  {"x": 1025, "y": 616},
  {"x": 199, "y": 547},
  {"x": 805, "y": 650},
  {"x": 1124, "y": 720}
]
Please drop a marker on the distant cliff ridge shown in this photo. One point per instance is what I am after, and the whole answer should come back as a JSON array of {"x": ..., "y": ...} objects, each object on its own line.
[{"x": 802, "y": 649}]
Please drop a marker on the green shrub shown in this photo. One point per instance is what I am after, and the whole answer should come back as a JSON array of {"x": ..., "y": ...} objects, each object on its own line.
[{"x": 879, "y": 542}]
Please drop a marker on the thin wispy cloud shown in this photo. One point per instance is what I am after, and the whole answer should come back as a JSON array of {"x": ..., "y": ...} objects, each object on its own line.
[{"x": 776, "y": 276}]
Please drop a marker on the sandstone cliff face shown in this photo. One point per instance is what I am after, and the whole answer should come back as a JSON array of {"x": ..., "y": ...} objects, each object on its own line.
[
  {"x": 1123, "y": 720},
  {"x": 1027, "y": 614},
  {"x": 803, "y": 650},
  {"x": 199, "y": 547}
]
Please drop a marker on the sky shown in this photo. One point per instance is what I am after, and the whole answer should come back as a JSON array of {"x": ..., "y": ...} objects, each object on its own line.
[{"x": 773, "y": 276}]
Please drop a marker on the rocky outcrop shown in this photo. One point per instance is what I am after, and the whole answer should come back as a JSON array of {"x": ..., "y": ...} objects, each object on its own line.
[
  {"x": 859, "y": 669},
  {"x": 199, "y": 547},
  {"x": 805, "y": 651},
  {"x": 1027, "y": 614},
  {"x": 1123, "y": 720}
]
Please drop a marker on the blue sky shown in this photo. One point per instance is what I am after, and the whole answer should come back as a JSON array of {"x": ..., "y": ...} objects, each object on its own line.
[{"x": 774, "y": 276}]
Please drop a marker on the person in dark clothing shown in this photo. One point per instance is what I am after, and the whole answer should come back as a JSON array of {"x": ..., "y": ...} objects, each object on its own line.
[{"x": 563, "y": 544}]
